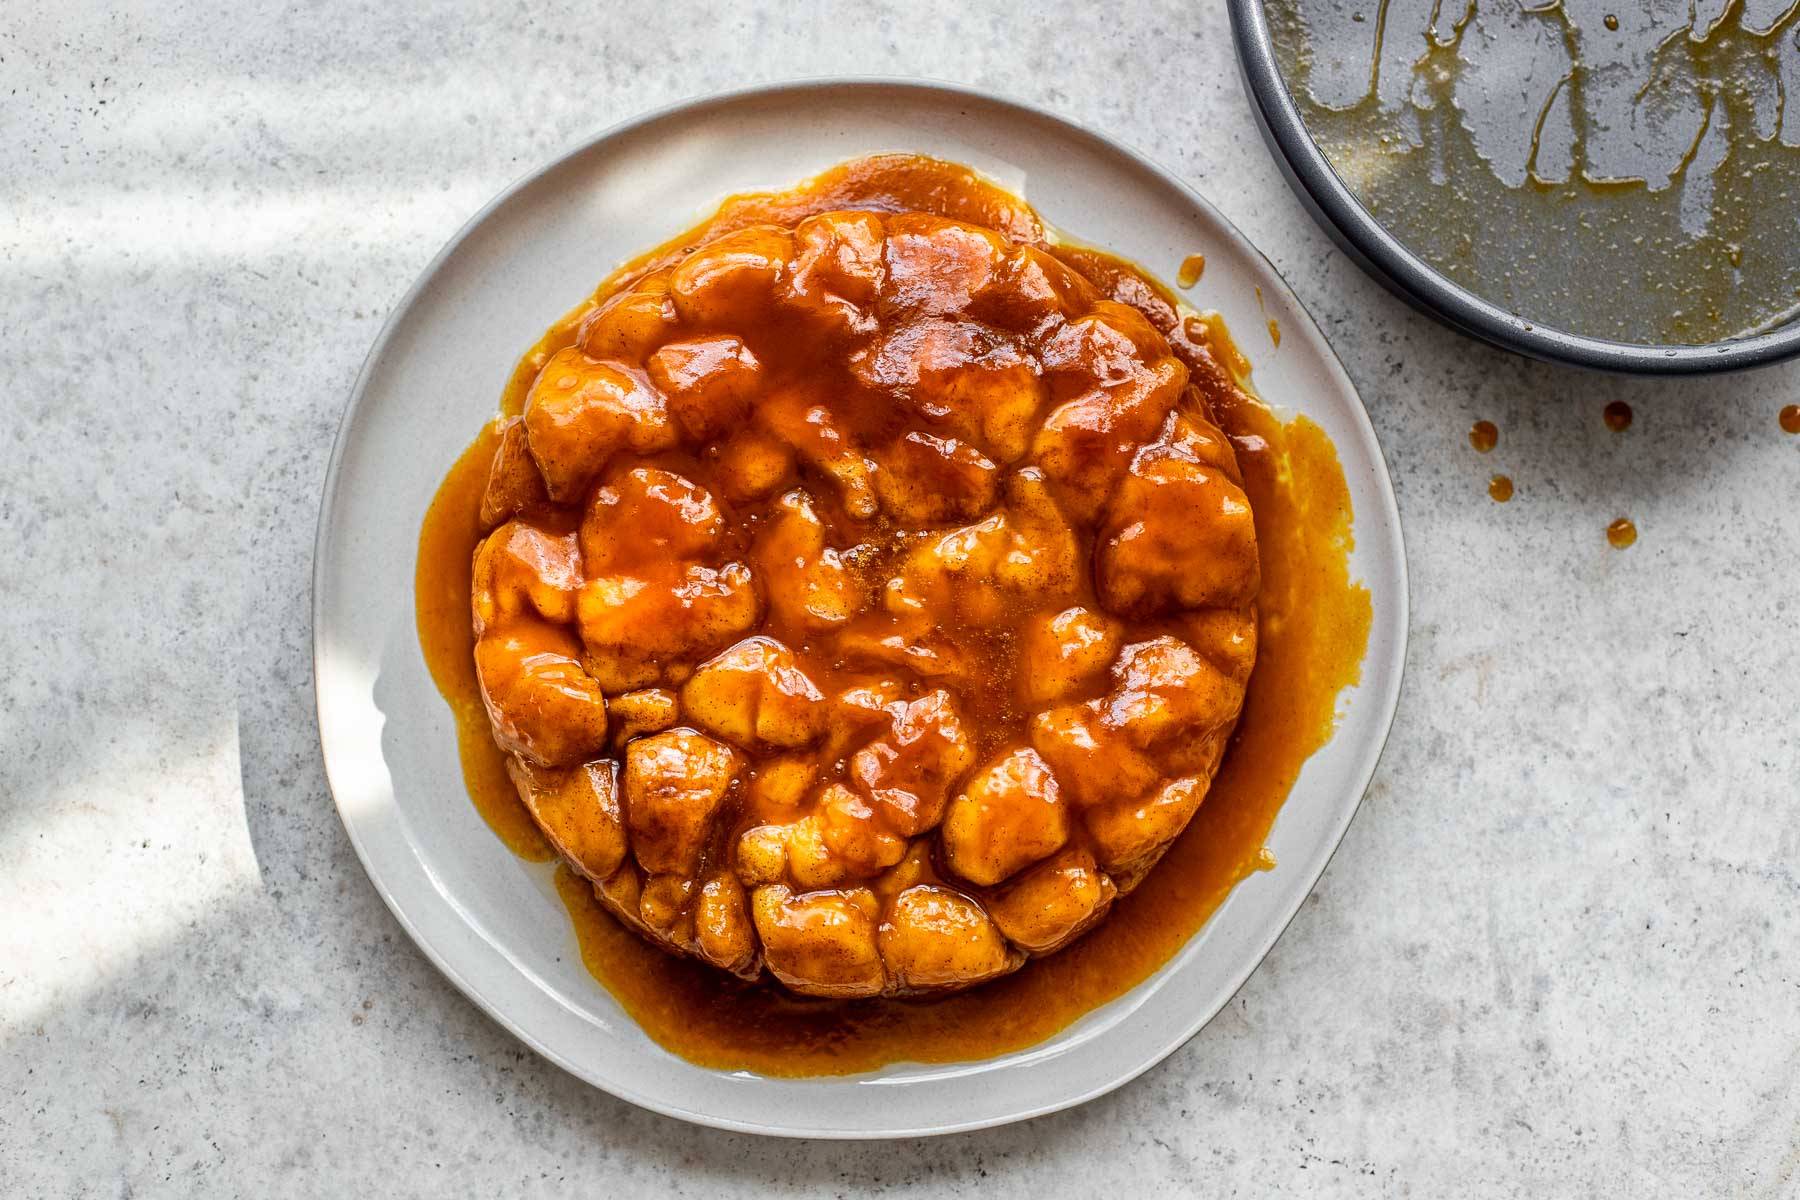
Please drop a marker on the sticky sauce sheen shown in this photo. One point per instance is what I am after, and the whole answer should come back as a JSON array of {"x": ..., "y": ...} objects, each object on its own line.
[
  {"x": 447, "y": 542},
  {"x": 1621, "y": 533},
  {"x": 1500, "y": 487},
  {"x": 1790, "y": 418},
  {"x": 1484, "y": 436},
  {"x": 1314, "y": 624},
  {"x": 1192, "y": 267}
]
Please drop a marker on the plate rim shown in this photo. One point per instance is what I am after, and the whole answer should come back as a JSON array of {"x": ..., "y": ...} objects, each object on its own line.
[{"x": 1385, "y": 703}]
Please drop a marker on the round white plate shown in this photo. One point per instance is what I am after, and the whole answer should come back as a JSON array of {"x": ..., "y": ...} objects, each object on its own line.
[{"x": 493, "y": 923}]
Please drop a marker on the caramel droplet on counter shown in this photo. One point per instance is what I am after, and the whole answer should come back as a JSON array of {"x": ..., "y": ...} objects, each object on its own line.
[
  {"x": 1610, "y": 21},
  {"x": 1484, "y": 436},
  {"x": 1500, "y": 488},
  {"x": 1621, "y": 533},
  {"x": 1191, "y": 269},
  {"x": 1617, "y": 416},
  {"x": 1790, "y": 418}
]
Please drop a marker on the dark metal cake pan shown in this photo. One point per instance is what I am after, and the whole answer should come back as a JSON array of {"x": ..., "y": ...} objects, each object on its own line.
[{"x": 1337, "y": 210}]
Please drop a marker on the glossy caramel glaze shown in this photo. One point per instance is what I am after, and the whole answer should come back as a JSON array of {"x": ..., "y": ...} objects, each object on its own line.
[
  {"x": 1314, "y": 624},
  {"x": 1192, "y": 267},
  {"x": 441, "y": 582},
  {"x": 1500, "y": 488},
  {"x": 1622, "y": 533},
  {"x": 1789, "y": 418},
  {"x": 1617, "y": 416},
  {"x": 1484, "y": 436}
]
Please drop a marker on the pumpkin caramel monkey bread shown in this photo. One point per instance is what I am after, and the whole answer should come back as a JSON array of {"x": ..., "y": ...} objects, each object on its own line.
[{"x": 867, "y": 602}]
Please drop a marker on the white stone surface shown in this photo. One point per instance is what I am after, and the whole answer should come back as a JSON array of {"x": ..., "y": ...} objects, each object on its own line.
[{"x": 1557, "y": 953}]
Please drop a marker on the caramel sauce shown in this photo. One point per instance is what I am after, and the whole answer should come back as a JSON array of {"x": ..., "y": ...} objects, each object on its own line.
[
  {"x": 441, "y": 580},
  {"x": 1313, "y": 623},
  {"x": 1617, "y": 416},
  {"x": 1500, "y": 487},
  {"x": 1274, "y": 333},
  {"x": 1192, "y": 267},
  {"x": 1484, "y": 436},
  {"x": 1790, "y": 418},
  {"x": 1621, "y": 533}
]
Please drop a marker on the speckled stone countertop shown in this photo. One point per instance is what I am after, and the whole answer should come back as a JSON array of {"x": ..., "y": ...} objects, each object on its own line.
[{"x": 1559, "y": 952}]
